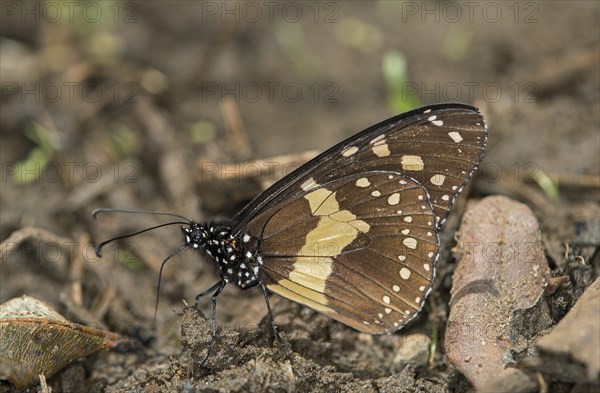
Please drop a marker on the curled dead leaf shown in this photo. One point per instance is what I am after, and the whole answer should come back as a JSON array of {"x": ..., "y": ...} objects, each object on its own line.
[{"x": 35, "y": 339}]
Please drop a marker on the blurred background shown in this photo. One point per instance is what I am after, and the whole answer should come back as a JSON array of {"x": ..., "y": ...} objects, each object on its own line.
[{"x": 195, "y": 107}]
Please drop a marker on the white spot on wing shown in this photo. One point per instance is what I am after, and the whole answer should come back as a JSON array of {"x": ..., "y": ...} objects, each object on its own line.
[
  {"x": 456, "y": 137},
  {"x": 410, "y": 242},
  {"x": 381, "y": 150},
  {"x": 394, "y": 199},
  {"x": 350, "y": 151},
  {"x": 405, "y": 273},
  {"x": 437, "y": 180},
  {"x": 309, "y": 184},
  {"x": 363, "y": 182},
  {"x": 412, "y": 163},
  {"x": 434, "y": 121}
]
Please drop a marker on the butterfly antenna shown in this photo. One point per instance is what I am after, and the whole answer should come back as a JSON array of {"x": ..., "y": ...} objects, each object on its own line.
[
  {"x": 160, "y": 272},
  {"x": 128, "y": 211},
  {"x": 99, "y": 247}
]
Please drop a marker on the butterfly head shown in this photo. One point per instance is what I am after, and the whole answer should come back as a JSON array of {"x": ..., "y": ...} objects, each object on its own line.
[
  {"x": 195, "y": 235},
  {"x": 215, "y": 240}
]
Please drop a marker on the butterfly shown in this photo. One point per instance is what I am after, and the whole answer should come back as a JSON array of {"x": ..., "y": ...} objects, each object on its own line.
[{"x": 354, "y": 232}]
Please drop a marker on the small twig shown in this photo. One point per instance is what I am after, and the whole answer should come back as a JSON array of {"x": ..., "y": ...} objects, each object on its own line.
[
  {"x": 12, "y": 243},
  {"x": 105, "y": 301},
  {"x": 76, "y": 275},
  {"x": 564, "y": 70},
  {"x": 217, "y": 43},
  {"x": 87, "y": 191},
  {"x": 81, "y": 314},
  {"x": 44, "y": 388},
  {"x": 574, "y": 180},
  {"x": 541, "y": 382},
  {"x": 235, "y": 129},
  {"x": 520, "y": 191}
]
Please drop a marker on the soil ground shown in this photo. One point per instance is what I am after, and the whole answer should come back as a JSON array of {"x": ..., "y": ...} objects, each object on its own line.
[{"x": 150, "y": 105}]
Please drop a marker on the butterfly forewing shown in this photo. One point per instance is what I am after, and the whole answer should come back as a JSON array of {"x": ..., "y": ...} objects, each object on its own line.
[
  {"x": 440, "y": 146},
  {"x": 354, "y": 232}
]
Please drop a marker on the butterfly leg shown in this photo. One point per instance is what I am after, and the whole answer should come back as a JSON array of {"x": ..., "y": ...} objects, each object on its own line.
[
  {"x": 273, "y": 326},
  {"x": 202, "y": 294},
  {"x": 219, "y": 287}
]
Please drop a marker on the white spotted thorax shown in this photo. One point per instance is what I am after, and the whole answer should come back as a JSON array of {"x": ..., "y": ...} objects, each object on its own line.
[{"x": 237, "y": 262}]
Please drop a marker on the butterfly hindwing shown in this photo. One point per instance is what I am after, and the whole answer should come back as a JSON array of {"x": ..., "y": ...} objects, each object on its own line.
[{"x": 360, "y": 249}]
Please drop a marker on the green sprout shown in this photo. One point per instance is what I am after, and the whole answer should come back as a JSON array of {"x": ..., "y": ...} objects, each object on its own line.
[
  {"x": 395, "y": 73},
  {"x": 434, "y": 342},
  {"x": 30, "y": 169},
  {"x": 549, "y": 187},
  {"x": 202, "y": 131}
]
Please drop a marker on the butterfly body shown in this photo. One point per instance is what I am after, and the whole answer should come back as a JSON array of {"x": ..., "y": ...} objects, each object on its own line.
[{"x": 235, "y": 259}]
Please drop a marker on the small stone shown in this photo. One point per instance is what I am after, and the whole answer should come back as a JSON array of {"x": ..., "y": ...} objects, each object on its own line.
[
  {"x": 498, "y": 302},
  {"x": 413, "y": 350}
]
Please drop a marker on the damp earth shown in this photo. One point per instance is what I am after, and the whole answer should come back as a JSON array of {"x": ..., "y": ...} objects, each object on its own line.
[{"x": 195, "y": 108}]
